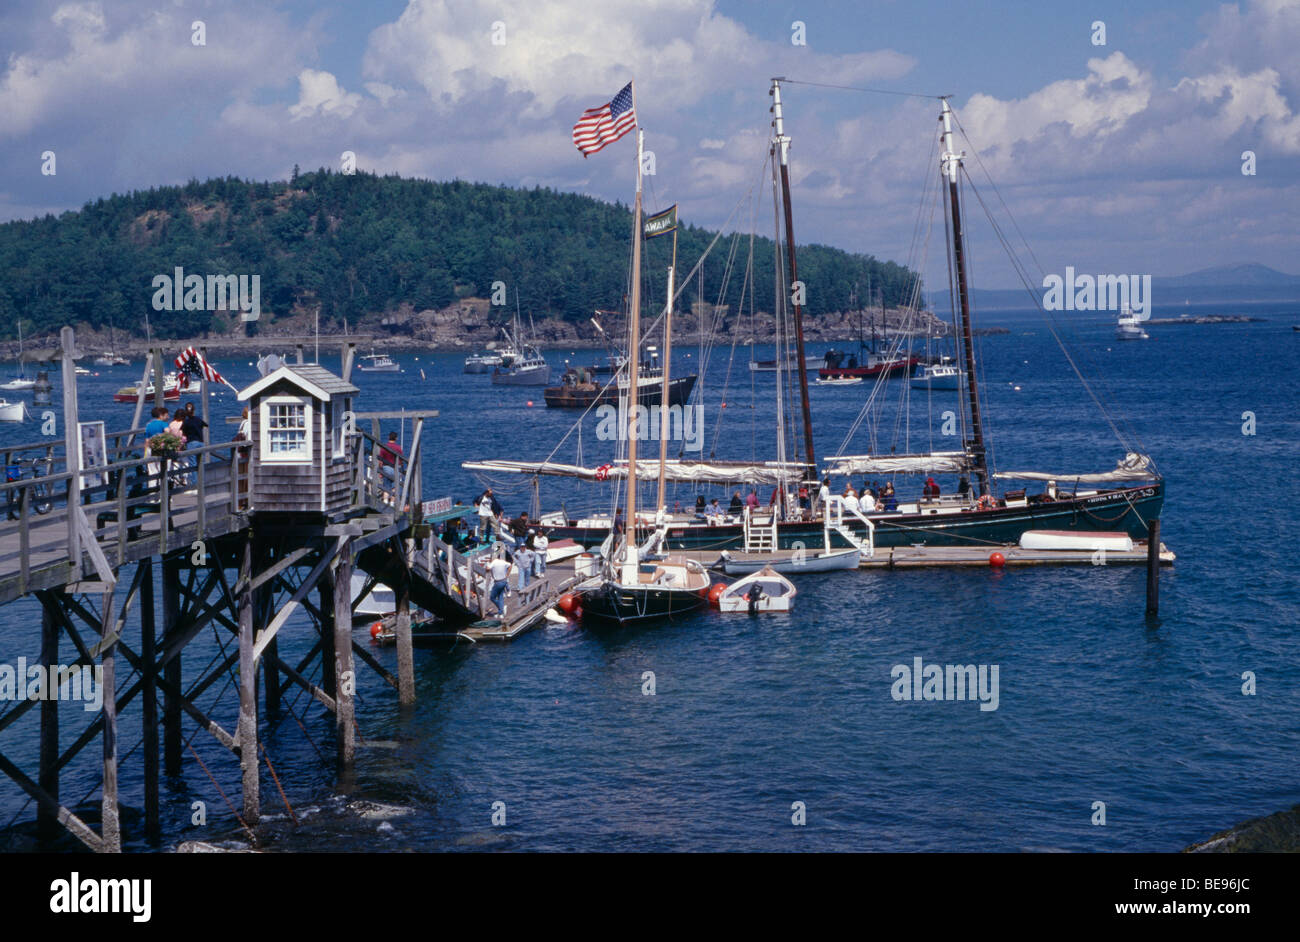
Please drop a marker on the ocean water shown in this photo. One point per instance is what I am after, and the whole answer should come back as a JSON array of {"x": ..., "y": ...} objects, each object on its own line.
[{"x": 749, "y": 716}]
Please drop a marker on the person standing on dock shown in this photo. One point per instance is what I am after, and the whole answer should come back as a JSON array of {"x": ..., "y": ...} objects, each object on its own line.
[
  {"x": 499, "y": 570},
  {"x": 524, "y": 567},
  {"x": 484, "y": 514},
  {"x": 540, "y": 544},
  {"x": 156, "y": 426}
]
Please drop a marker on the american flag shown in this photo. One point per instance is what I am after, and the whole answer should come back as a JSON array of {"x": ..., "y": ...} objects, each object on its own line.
[
  {"x": 191, "y": 361},
  {"x": 606, "y": 124}
]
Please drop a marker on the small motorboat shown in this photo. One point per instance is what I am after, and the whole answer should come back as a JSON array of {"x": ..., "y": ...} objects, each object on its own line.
[
  {"x": 943, "y": 375},
  {"x": 1076, "y": 540},
  {"x": 12, "y": 411},
  {"x": 18, "y": 383},
  {"x": 482, "y": 362},
  {"x": 379, "y": 602},
  {"x": 764, "y": 591},
  {"x": 378, "y": 363},
  {"x": 1129, "y": 327},
  {"x": 839, "y": 380}
]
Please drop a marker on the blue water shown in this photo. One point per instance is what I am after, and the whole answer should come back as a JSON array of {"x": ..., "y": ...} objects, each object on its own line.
[{"x": 751, "y": 715}]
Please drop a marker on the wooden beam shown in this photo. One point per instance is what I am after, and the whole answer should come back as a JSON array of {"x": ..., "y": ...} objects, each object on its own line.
[
  {"x": 171, "y": 668},
  {"x": 344, "y": 716},
  {"x": 110, "y": 828},
  {"x": 74, "y": 825},
  {"x": 249, "y": 760},
  {"x": 149, "y": 655},
  {"x": 264, "y": 637},
  {"x": 48, "y": 776},
  {"x": 71, "y": 445}
]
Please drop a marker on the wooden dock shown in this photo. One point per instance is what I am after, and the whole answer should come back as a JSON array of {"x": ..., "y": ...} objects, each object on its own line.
[{"x": 246, "y": 536}]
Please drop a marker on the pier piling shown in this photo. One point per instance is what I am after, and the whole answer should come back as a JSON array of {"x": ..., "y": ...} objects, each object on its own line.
[{"x": 1153, "y": 567}]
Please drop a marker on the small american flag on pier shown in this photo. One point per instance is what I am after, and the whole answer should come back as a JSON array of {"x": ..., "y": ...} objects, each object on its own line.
[{"x": 606, "y": 124}]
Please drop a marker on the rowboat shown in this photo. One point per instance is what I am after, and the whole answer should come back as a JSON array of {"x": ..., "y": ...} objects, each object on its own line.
[{"x": 764, "y": 591}]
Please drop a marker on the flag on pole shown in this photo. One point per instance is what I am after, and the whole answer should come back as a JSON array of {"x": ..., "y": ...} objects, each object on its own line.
[
  {"x": 661, "y": 223},
  {"x": 191, "y": 361},
  {"x": 606, "y": 124}
]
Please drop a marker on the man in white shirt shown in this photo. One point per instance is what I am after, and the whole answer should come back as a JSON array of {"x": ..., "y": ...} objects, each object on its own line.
[
  {"x": 499, "y": 570},
  {"x": 485, "y": 514},
  {"x": 850, "y": 498},
  {"x": 824, "y": 495},
  {"x": 867, "y": 503},
  {"x": 540, "y": 543}
]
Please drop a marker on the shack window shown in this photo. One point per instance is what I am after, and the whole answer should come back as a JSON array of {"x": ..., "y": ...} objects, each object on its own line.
[{"x": 286, "y": 429}]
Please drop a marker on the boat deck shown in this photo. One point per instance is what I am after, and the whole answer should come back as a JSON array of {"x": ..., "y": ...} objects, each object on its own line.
[{"x": 911, "y": 557}]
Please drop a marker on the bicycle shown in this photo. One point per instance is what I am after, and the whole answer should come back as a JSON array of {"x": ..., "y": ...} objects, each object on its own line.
[{"x": 41, "y": 497}]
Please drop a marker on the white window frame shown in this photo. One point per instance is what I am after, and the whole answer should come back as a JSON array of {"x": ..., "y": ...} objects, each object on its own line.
[
  {"x": 338, "y": 408},
  {"x": 265, "y": 422}
]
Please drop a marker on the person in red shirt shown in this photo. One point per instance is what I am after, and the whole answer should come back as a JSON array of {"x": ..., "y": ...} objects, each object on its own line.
[{"x": 388, "y": 457}]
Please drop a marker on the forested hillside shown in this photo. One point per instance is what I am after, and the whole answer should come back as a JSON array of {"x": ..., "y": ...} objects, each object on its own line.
[{"x": 359, "y": 245}]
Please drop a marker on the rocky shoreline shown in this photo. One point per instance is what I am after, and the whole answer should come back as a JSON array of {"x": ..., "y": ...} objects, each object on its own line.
[{"x": 474, "y": 324}]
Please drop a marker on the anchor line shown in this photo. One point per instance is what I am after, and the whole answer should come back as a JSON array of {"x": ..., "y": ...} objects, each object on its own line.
[
  {"x": 278, "y": 787},
  {"x": 217, "y": 785}
]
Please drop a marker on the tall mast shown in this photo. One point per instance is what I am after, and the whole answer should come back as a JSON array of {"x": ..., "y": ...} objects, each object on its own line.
[
  {"x": 781, "y": 147},
  {"x": 633, "y": 367},
  {"x": 668, "y": 360},
  {"x": 949, "y": 162}
]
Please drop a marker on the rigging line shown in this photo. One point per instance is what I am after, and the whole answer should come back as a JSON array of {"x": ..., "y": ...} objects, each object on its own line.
[
  {"x": 1051, "y": 325},
  {"x": 1123, "y": 417},
  {"x": 854, "y": 88}
]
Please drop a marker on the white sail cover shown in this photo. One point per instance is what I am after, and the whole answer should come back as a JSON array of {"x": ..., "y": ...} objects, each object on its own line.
[
  {"x": 713, "y": 472},
  {"x": 1132, "y": 467},
  {"x": 939, "y": 462}
]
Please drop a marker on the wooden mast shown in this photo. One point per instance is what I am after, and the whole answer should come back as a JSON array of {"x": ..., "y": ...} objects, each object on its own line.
[
  {"x": 781, "y": 143},
  {"x": 949, "y": 162},
  {"x": 634, "y": 357}
]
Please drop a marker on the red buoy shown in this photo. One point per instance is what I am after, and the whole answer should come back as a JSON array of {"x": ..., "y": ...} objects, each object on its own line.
[
  {"x": 375, "y": 629},
  {"x": 530, "y": 403},
  {"x": 568, "y": 603},
  {"x": 715, "y": 592},
  {"x": 997, "y": 560}
]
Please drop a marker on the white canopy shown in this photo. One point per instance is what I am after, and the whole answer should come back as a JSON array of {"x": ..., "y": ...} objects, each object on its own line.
[
  {"x": 1132, "y": 467},
  {"x": 938, "y": 462},
  {"x": 714, "y": 472}
]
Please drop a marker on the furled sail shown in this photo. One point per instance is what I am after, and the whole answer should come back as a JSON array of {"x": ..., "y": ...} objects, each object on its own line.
[
  {"x": 939, "y": 462},
  {"x": 1132, "y": 467},
  {"x": 712, "y": 472}
]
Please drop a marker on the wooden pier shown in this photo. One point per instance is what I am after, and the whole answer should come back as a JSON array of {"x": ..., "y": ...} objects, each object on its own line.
[{"x": 132, "y": 555}]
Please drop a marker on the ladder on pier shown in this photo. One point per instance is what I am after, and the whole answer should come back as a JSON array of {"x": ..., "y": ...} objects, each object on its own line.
[
  {"x": 834, "y": 519},
  {"x": 760, "y": 531}
]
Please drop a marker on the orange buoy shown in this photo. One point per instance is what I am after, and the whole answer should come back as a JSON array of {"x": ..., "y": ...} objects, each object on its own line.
[
  {"x": 530, "y": 403},
  {"x": 375, "y": 629},
  {"x": 715, "y": 592},
  {"x": 997, "y": 560},
  {"x": 568, "y": 603}
]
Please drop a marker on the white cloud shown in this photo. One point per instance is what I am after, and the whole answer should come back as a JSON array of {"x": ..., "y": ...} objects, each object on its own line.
[{"x": 321, "y": 92}]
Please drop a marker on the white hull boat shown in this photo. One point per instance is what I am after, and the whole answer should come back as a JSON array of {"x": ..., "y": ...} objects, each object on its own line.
[
  {"x": 794, "y": 562},
  {"x": 379, "y": 602},
  {"x": 840, "y": 381},
  {"x": 12, "y": 411},
  {"x": 1075, "y": 540},
  {"x": 764, "y": 591}
]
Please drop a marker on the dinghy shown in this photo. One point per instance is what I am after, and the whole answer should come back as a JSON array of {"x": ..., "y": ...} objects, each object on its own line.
[
  {"x": 764, "y": 591},
  {"x": 1076, "y": 540}
]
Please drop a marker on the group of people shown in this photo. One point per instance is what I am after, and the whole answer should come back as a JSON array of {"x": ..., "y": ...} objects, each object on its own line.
[
  {"x": 185, "y": 425},
  {"x": 522, "y": 548}
]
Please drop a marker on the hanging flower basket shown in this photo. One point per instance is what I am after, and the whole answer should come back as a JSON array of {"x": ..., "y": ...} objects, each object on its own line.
[{"x": 166, "y": 445}]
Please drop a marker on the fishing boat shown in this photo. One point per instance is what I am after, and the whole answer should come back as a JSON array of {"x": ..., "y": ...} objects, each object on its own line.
[
  {"x": 173, "y": 385},
  {"x": 841, "y": 366},
  {"x": 763, "y": 591},
  {"x": 378, "y": 363},
  {"x": 12, "y": 411},
  {"x": 528, "y": 369},
  {"x": 482, "y": 362},
  {"x": 943, "y": 375},
  {"x": 579, "y": 389},
  {"x": 1129, "y": 327},
  {"x": 1124, "y": 499}
]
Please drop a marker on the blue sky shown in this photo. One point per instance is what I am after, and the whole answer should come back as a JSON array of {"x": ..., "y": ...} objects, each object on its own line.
[{"x": 1120, "y": 158}]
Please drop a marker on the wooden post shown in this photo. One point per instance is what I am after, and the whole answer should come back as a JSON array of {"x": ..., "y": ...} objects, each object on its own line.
[
  {"x": 71, "y": 445},
  {"x": 159, "y": 377},
  {"x": 326, "y": 609},
  {"x": 247, "y": 735},
  {"x": 265, "y": 597},
  {"x": 346, "y": 675},
  {"x": 171, "y": 579},
  {"x": 48, "y": 776},
  {"x": 149, "y": 655},
  {"x": 405, "y": 657},
  {"x": 1153, "y": 567},
  {"x": 110, "y": 830}
]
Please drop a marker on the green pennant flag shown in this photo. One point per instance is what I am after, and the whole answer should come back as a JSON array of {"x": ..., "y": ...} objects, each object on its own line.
[{"x": 661, "y": 223}]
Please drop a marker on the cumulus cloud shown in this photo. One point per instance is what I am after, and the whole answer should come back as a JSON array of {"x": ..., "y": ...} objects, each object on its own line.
[{"x": 320, "y": 92}]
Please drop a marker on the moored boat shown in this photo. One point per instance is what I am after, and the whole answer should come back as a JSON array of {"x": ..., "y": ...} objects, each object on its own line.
[
  {"x": 482, "y": 362},
  {"x": 763, "y": 591},
  {"x": 378, "y": 363}
]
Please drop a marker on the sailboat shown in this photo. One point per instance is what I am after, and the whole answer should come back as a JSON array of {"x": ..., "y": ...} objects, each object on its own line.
[
  {"x": 20, "y": 381},
  {"x": 1123, "y": 499},
  {"x": 524, "y": 364},
  {"x": 630, "y": 590}
]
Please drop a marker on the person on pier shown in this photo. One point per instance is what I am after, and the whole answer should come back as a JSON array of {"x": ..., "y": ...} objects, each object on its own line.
[
  {"x": 499, "y": 570},
  {"x": 485, "y": 514}
]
